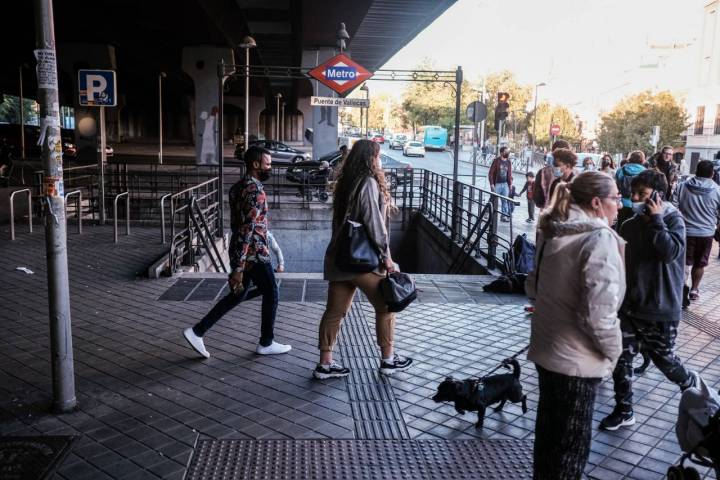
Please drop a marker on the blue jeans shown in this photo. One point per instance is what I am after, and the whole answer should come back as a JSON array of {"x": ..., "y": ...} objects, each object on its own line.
[
  {"x": 504, "y": 190},
  {"x": 262, "y": 277}
]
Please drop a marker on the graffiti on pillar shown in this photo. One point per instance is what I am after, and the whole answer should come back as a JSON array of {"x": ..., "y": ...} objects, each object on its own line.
[{"x": 208, "y": 149}]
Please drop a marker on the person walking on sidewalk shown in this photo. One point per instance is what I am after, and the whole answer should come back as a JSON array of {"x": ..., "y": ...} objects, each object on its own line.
[
  {"x": 528, "y": 189},
  {"x": 362, "y": 191},
  {"x": 575, "y": 332},
  {"x": 500, "y": 178},
  {"x": 249, "y": 258},
  {"x": 650, "y": 312},
  {"x": 546, "y": 176},
  {"x": 698, "y": 199},
  {"x": 564, "y": 162},
  {"x": 623, "y": 178}
]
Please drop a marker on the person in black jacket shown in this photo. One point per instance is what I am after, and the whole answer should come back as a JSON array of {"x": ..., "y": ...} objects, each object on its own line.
[{"x": 650, "y": 312}]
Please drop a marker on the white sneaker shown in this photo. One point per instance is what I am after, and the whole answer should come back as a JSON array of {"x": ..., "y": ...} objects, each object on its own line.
[
  {"x": 273, "y": 349},
  {"x": 196, "y": 342}
]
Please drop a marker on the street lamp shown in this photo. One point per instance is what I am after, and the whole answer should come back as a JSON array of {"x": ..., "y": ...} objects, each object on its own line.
[
  {"x": 278, "y": 96},
  {"x": 160, "y": 109},
  {"x": 367, "y": 110},
  {"x": 247, "y": 43},
  {"x": 532, "y": 150}
]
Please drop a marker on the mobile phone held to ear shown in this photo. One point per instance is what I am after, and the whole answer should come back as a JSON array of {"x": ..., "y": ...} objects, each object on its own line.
[{"x": 654, "y": 197}]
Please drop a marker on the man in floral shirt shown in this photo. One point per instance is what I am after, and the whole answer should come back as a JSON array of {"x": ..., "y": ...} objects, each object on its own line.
[{"x": 249, "y": 257}]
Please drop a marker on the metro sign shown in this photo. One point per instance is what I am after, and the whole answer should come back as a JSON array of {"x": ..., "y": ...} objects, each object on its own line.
[{"x": 340, "y": 74}]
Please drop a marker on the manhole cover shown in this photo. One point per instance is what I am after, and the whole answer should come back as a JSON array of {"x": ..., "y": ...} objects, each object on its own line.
[{"x": 31, "y": 458}]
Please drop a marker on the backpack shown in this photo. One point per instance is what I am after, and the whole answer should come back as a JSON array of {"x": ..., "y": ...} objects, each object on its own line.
[
  {"x": 513, "y": 283},
  {"x": 524, "y": 254},
  {"x": 624, "y": 183}
]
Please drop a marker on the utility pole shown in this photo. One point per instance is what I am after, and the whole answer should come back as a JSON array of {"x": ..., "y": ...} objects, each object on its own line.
[
  {"x": 454, "y": 232},
  {"x": 63, "y": 374},
  {"x": 22, "y": 117}
]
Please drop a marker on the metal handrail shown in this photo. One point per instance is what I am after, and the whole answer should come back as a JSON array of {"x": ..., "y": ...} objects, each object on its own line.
[
  {"x": 78, "y": 207},
  {"x": 12, "y": 210},
  {"x": 127, "y": 214},
  {"x": 162, "y": 216}
]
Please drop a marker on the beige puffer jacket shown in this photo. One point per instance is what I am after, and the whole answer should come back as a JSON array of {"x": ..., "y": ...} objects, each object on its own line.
[{"x": 575, "y": 330}]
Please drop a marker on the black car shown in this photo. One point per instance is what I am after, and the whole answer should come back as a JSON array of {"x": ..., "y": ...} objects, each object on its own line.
[{"x": 307, "y": 172}]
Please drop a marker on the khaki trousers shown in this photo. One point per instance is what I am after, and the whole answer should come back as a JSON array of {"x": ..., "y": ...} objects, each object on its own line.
[{"x": 340, "y": 296}]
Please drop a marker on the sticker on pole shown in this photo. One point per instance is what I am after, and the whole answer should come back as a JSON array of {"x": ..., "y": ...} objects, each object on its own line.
[
  {"x": 97, "y": 88},
  {"x": 340, "y": 74},
  {"x": 46, "y": 68}
]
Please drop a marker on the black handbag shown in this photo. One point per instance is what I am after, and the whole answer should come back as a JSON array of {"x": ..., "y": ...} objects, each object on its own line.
[
  {"x": 355, "y": 252},
  {"x": 398, "y": 291}
]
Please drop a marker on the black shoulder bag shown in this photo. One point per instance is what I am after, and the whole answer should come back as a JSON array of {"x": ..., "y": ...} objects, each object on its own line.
[{"x": 355, "y": 252}]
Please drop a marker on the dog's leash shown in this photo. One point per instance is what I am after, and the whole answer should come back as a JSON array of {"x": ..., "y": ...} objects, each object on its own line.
[{"x": 503, "y": 363}]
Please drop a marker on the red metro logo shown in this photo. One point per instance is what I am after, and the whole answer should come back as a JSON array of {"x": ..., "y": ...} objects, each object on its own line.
[{"x": 340, "y": 73}]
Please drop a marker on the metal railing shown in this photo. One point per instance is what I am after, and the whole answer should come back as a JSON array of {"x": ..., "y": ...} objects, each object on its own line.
[
  {"x": 184, "y": 246},
  {"x": 78, "y": 207},
  {"x": 127, "y": 214},
  {"x": 12, "y": 210},
  {"x": 162, "y": 217}
]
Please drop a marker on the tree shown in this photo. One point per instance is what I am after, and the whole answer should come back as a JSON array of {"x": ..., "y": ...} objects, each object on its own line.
[
  {"x": 629, "y": 124},
  {"x": 10, "y": 110},
  {"x": 433, "y": 103},
  {"x": 553, "y": 114}
]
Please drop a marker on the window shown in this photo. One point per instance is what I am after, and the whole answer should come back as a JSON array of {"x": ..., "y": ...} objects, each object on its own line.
[
  {"x": 717, "y": 120},
  {"x": 699, "y": 120}
]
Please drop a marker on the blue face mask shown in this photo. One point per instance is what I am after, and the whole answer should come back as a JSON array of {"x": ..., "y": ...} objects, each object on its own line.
[{"x": 557, "y": 172}]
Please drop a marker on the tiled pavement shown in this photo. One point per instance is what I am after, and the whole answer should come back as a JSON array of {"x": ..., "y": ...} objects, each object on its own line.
[{"x": 145, "y": 398}]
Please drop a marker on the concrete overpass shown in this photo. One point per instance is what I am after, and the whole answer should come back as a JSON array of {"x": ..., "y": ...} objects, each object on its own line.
[{"x": 185, "y": 40}]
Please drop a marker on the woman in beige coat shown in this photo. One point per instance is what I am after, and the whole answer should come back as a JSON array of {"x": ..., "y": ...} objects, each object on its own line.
[
  {"x": 577, "y": 287},
  {"x": 361, "y": 189}
]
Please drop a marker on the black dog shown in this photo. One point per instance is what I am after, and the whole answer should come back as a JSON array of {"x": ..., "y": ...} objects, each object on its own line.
[{"x": 478, "y": 394}]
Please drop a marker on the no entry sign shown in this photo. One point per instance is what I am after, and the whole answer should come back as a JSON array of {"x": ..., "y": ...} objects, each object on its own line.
[
  {"x": 554, "y": 129},
  {"x": 340, "y": 73}
]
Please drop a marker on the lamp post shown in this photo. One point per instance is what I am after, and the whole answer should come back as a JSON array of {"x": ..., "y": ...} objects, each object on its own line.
[
  {"x": 282, "y": 123},
  {"x": 367, "y": 110},
  {"x": 278, "y": 96},
  {"x": 160, "y": 109},
  {"x": 532, "y": 148},
  {"x": 247, "y": 43}
]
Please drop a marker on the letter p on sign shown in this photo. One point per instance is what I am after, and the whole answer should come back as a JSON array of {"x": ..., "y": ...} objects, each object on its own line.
[{"x": 97, "y": 88}]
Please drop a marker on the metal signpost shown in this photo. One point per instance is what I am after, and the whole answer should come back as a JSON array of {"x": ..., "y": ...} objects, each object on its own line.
[
  {"x": 97, "y": 88},
  {"x": 477, "y": 113},
  {"x": 53, "y": 196}
]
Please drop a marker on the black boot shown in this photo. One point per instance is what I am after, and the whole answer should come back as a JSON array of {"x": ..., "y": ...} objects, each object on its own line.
[{"x": 686, "y": 297}]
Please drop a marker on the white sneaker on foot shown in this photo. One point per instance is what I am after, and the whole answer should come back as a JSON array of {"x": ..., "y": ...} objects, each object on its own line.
[
  {"x": 196, "y": 342},
  {"x": 273, "y": 349}
]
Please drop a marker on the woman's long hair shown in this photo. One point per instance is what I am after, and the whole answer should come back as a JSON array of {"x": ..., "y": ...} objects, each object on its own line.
[
  {"x": 359, "y": 164},
  {"x": 580, "y": 191}
]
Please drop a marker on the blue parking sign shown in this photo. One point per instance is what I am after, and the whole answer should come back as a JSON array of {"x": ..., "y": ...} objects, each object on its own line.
[{"x": 97, "y": 88}]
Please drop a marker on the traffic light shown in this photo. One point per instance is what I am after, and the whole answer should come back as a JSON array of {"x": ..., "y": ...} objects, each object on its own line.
[{"x": 501, "y": 108}]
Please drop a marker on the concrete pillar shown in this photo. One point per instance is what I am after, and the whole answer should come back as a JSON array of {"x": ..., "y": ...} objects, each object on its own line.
[
  {"x": 201, "y": 64},
  {"x": 324, "y": 119},
  {"x": 71, "y": 58}
]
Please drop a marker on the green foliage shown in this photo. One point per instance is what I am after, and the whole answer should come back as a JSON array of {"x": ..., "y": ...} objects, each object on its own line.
[
  {"x": 10, "y": 110},
  {"x": 553, "y": 114},
  {"x": 628, "y": 126}
]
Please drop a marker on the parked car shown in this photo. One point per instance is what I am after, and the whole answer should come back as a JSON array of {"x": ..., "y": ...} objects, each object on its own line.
[
  {"x": 413, "y": 148},
  {"x": 280, "y": 153},
  {"x": 379, "y": 138},
  {"x": 306, "y": 172},
  {"x": 398, "y": 141}
]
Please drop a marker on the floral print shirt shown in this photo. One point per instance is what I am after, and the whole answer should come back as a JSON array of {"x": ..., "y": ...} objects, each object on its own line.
[{"x": 248, "y": 217}]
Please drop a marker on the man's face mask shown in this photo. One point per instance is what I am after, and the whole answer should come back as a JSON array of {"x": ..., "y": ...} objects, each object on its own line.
[{"x": 557, "y": 171}]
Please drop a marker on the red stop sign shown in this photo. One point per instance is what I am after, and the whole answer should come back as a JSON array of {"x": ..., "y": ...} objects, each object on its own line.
[{"x": 554, "y": 129}]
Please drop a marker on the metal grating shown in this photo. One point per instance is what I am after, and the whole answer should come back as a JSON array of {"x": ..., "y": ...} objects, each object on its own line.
[
  {"x": 32, "y": 457},
  {"x": 701, "y": 323},
  {"x": 366, "y": 459},
  {"x": 372, "y": 400}
]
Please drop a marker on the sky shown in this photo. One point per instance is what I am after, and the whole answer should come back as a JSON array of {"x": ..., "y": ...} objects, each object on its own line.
[{"x": 590, "y": 53}]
